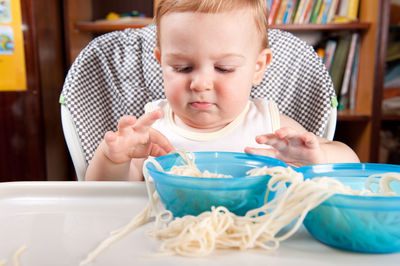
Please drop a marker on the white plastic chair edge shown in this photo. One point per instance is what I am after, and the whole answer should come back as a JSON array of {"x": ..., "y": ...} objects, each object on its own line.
[
  {"x": 331, "y": 126},
  {"x": 73, "y": 143}
]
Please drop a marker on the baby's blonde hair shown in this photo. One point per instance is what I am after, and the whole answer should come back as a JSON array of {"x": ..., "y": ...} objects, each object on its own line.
[{"x": 258, "y": 7}]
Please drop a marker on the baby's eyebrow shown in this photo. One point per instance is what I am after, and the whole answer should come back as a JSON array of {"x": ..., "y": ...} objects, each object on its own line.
[
  {"x": 176, "y": 56},
  {"x": 236, "y": 58},
  {"x": 228, "y": 55},
  {"x": 228, "y": 58}
]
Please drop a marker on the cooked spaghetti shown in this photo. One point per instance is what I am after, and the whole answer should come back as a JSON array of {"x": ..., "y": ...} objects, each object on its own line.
[
  {"x": 259, "y": 228},
  {"x": 17, "y": 254},
  {"x": 190, "y": 168}
]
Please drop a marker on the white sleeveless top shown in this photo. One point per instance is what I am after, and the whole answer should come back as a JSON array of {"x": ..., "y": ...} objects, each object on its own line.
[{"x": 259, "y": 117}]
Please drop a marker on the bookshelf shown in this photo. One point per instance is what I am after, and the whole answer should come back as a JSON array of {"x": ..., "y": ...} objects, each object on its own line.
[
  {"x": 84, "y": 20},
  {"x": 370, "y": 83},
  {"x": 107, "y": 27},
  {"x": 359, "y": 128},
  {"x": 103, "y": 26},
  {"x": 389, "y": 151}
]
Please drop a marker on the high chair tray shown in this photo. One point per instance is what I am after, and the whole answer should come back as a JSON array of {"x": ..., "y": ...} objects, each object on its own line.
[{"x": 61, "y": 222}]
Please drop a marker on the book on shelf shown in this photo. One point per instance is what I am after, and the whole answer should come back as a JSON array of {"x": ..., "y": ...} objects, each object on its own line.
[
  {"x": 293, "y": 12},
  {"x": 352, "y": 10},
  {"x": 347, "y": 11},
  {"x": 354, "y": 77},
  {"x": 332, "y": 11},
  {"x": 308, "y": 11},
  {"x": 330, "y": 48},
  {"x": 281, "y": 12},
  {"x": 344, "y": 90},
  {"x": 316, "y": 10},
  {"x": 273, "y": 11},
  {"x": 289, "y": 11},
  {"x": 321, "y": 13},
  {"x": 300, "y": 11},
  {"x": 269, "y": 4},
  {"x": 325, "y": 11},
  {"x": 339, "y": 62},
  {"x": 342, "y": 8},
  {"x": 312, "y": 11}
]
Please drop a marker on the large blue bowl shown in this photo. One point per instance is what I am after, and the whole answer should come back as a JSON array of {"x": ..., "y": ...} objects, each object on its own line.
[
  {"x": 368, "y": 224},
  {"x": 184, "y": 195}
]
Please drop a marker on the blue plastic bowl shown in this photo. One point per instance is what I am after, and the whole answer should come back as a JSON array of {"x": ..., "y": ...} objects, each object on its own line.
[
  {"x": 367, "y": 224},
  {"x": 193, "y": 195}
]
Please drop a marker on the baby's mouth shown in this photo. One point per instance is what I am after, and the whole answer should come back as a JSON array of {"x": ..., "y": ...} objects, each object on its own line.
[{"x": 201, "y": 105}]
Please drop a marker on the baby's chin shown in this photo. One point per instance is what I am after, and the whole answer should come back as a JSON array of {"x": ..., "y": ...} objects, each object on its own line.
[{"x": 202, "y": 125}]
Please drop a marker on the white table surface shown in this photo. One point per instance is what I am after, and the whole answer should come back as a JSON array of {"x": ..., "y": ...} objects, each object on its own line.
[{"x": 61, "y": 222}]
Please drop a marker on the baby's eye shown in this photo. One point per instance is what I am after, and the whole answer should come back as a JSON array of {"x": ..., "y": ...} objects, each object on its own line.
[
  {"x": 224, "y": 69},
  {"x": 182, "y": 69}
]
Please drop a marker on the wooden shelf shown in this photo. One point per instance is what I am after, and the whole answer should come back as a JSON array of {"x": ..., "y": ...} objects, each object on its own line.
[
  {"x": 392, "y": 92},
  {"x": 92, "y": 27},
  {"x": 322, "y": 27},
  {"x": 393, "y": 118},
  {"x": 99, "y": 27},
  {"x": 112, "y": 25},
  {"x": 351, "y": 115}
]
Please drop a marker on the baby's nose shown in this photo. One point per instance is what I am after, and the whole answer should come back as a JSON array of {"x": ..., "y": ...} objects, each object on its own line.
[{"x": 201, "y": 81}]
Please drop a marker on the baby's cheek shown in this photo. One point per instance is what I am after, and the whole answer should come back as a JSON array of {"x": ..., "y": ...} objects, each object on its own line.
[{"x": 174, "y": 96}]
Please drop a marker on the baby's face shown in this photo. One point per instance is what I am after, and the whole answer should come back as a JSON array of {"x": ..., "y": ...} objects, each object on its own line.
[{"x": 209, "y": 63}]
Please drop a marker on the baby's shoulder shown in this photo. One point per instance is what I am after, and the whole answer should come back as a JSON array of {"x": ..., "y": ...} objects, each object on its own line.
[{"x": 262, "y": 105}]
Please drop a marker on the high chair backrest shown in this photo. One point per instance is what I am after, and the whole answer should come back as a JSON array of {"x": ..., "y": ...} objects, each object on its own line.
[{"x": 117, "y": 74}]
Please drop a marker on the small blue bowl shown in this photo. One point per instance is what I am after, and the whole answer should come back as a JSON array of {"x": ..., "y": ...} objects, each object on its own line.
[
  {"x": 367, "y": 224},
  {"x": 184, "y": 195}
]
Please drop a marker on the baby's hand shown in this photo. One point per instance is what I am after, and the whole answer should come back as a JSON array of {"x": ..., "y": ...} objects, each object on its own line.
[
  {"x": 290, "y": 146},
  {"x": 135, "y": 139}
]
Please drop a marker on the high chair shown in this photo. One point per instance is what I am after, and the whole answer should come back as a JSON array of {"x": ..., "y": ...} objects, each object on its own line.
[{"x": 117, "y": 74}]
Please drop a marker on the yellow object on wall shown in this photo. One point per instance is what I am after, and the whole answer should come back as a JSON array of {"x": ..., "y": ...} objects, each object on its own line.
[{"x": 12, "y": 55}]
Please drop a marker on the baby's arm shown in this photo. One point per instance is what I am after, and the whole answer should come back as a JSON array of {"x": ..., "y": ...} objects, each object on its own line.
[
  {"x": 298, "y": 147},
  {"x": 121, "y": 152}
]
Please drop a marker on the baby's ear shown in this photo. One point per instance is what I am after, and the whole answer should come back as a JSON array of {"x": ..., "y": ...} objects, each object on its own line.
[
  {"x": 157, "y": 54},
  {"x": 263, "y": 60}
]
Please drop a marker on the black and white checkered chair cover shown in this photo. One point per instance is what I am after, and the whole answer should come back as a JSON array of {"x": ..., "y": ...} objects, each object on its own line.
[{"x": 117, "y": 74}]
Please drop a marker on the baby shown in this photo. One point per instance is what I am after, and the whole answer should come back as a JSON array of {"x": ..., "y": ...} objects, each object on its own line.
[{"x": 211, "y": 53}]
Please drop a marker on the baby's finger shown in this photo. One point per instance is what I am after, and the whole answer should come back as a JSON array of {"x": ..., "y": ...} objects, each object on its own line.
[
  {"x": 310, "y": 140},
  {"x": 272, "y": 140},
  {"x": 125, "y": 122},
  {"x": 286, "y": 132},
  {"x": 145, "y": 121},
  {"x": 161, "y": 141},
  {"x": 291, "y": 135},
  {"x": 259, "y": 151},
  {"x": 157, "y": 151},
  {"x": 110, "y": 137},
  {"x": 265, "y": 139}
]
